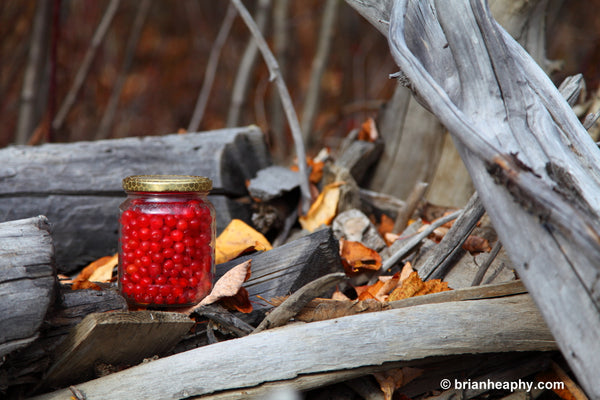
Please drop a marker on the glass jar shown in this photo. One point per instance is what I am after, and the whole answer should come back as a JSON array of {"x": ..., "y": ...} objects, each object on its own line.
[{"x": 166, "y": 240}]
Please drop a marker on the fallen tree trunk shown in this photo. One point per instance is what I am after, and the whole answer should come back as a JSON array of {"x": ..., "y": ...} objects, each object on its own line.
[
  {"x": 27, "y": 281},
  {"x": 532, "y": 162},
  {"x": 299, "y": 351},
  {"x": 78, "y": 185}
]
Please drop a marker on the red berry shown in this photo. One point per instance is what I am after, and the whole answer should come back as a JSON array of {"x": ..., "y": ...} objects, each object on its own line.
[
  {"x": 160, "y": 280},
  {"x": 179, "y": 247},
  {"x": 156, "y": 222},
  {"x": 143, "y": 220},
  {"x": 168, "y": 253},
  {"x": 170, "y": 221},
  {"x": 156, "y": 235},
  {"x": 144, "y": 233},
  {"x": 164, "y": 290},
  {"x": 176, "y": 235}
]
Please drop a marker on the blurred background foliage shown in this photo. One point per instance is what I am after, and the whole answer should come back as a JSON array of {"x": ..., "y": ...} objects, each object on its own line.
[{"x": 161, "y": 85}]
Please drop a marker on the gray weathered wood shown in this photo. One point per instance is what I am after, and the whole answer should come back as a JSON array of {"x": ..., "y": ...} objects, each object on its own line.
[
  {"x": 496, "y": 325},
  {"x": 285, "y": 269},
  {"x": 117, "y": 338},
  {"x": 534, "y": 166},
  {"x": 70, "y": 307},
  {"x": 78, "y": 185},
  {"x": 27, "y": 280}
]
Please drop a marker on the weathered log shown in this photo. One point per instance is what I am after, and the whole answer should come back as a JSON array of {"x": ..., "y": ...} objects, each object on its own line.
[
  {"x": 302, "y": 350},
  {"x": 27, "y": 280},
  {"x": 78, "y": 185},
  {"x": 118, "y": 338},
  {"x": 533, "y": 164},
  {"x": 24, "y": 367}
]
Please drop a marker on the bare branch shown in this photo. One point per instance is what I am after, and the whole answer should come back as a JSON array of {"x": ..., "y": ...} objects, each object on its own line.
[
  {"x": 211, "y": 69},
  {"x": 113, "y": 102},
  {"x": 84, "y": 68},
  {"x": 285, "y": 99},
  {"x": 311, "y": 103},
  {"x": 242, "y": 79}
]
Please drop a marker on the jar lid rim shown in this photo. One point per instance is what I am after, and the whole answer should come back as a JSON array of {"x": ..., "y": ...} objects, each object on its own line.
[{"x": 166, "y": 183}]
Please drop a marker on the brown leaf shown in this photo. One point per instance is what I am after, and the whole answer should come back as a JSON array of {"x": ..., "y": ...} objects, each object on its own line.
[
  {"x": 368, "y": 131},
  {"x": 238, "y": 238},
  {"x": 414, "y": 286},
  {"x": 99, "y": 270},
  {"x": 393, "y": 379},
  {"x": 324, "y": 209},
  {"x": 323, "y": 309},
  {"x": 239, "y": 301},
  {"x": 476, "y": 244},
  {"x": 316, "y": 172},
  {"x": 356, "y": 256},
  {"x": 228, "y": 285}
]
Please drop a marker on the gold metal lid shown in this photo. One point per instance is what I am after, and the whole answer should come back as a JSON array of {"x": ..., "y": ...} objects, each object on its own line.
[{"x": 167, "y": 183}]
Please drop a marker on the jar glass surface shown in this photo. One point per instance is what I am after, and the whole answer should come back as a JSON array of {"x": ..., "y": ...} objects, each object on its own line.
[{"x": 166, "y": 248}]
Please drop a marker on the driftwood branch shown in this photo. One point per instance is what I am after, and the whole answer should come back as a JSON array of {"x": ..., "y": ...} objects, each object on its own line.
[
  {"x": 302, "y": 350},
  {"x": 532, "y": 162}
]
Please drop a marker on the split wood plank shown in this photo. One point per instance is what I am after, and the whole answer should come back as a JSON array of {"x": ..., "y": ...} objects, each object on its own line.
[
  {"x": 117, "y": 338},
  {"x": 27, "y": 280},
  {"x": 78, "y": 185},
  {"x": 494, "y": 325}
]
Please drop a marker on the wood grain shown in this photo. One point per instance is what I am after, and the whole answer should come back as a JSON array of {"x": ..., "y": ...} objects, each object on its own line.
[{"x": 492, "y": 325}]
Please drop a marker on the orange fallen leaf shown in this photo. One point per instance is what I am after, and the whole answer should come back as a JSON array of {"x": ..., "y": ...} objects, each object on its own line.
[
  {"x": 99, "y": 270},
  {"x": 324, "y": 209},
  {"x": 316, "y": 170},
  {"x": 368, "y": 131},
  {"x": 385, "y": 227},
  {"x": 356, "y": 256},
  {"x": 238, "y": 238},
  {"x": 388, "y": 286},
  {"x": 414, "y": 286}
]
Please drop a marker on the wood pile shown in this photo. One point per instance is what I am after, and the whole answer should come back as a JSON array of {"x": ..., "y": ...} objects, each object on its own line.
[{"x": 366, "y": 296}]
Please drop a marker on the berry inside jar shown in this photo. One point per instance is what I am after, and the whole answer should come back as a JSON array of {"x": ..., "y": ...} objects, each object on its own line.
[{"x": 166, "y": 248}]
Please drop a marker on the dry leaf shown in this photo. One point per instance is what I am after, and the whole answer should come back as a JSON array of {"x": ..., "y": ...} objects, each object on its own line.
[
  {"x": 356, "y": 256},
  {"x": 316, "y": 170},
  {"x": 97, "y": 271},
  {"x": 406, "y": 271},
  {"x": 393, "y": 379},
  {"x": 385, "y": 228},
  {"x": 368, "y": 131},
  {"x": 324, "y": 209},
  {"x": 323, "y": 309},
  {"x": 476, "y": 244},
  {"x": 414, "y": 286},
  {"x": 239, "y": 301},
  {"x": 388, "y": 286},
  {"x": 238, "y": 238},
  {"x": 229, "y": 285}
]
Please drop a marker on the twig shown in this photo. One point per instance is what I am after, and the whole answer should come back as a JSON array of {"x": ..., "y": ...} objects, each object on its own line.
[
  {"x": 311, "y": 103},
  {"x": 242, "y": 78},
  {"x": 293, "y": 304},
  {"x": 53, "y": 67},
  {"x": 412, "y": 242},
  {"x": 281, "y": 39},
  {"x": 30, "y": 92},
  {"x": 84, "y": 68},
  {"x": 486, "y": 265},
  {"x": 286, "y": 100},
  {"x": 225, "y": 319},
  {"x": 113, "y": 102},
  {"x": 442, "y": 256},
  {"x": 211, "y": 69},
  {"x": 409, "y": 207}
]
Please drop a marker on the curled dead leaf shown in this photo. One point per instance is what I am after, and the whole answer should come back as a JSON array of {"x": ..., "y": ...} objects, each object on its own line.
[
  {"x": 414, "y": 286},
  {"x": 324, "y": 209},
  {"x": 229, "y": 289},
  {"x": 100, "y": 270},
  {"x": 368, "y": 131},
  {"x": 356, "y": 256},
  {"x": 238, "y": 238}
]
